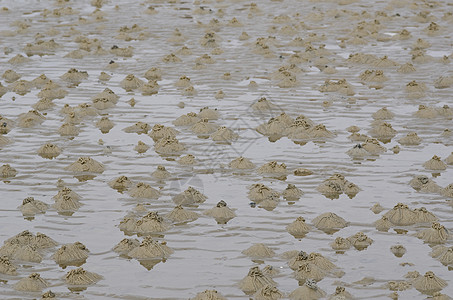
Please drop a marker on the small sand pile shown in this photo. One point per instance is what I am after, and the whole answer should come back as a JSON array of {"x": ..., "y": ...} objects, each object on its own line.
[
  {"x": 241, "y": 163},
  {"x": 30, "y": 119},
  {"x": 263, "y": 105},
  {"x": 340, "y": 244},
  {"x": 203, "y": 127},
  {"x": 334, "y": 186},
  {"x": 308, "y": 270},
  {"x": 10, "y": 76},
  {"x": 321, "y": 262},
  {"x": 168, "y": 145},
  {"x": 65, "y": 191},
  {"x": 208, "y": 113},
  {"x": 161, "y": 173},
  {"x": 443, "y": 82},
  {"x": 86, "y": 110},
  {"x": 425, "y": 112},
  {"x": 258, "y": 192},
  {"x": 424, "y": 216},
  {"x": 270, "y": 271},
  {"x": 66, "y": 204},
  {"x": 120, "y": 184},
  {"x": 341, "y": 86},
  {"x": 74, "y": 254},
  {"x": 435, "y": 163},
  {"x": 298, "y": 228},
  {"x": 6, "y": 267},
  {"x": 429, "y": 283},
  {"x": 443, "y": 254},
  {"x": 377, "y": 208},
  {"x": 49, "y": 151},
  {"x": 274, "y": 127},
  {"x": 139, "y": 128},
  {"x": 188, "y": 119},
  {"x": 446, "y": 111},
  {"x": 122, "y": 52},
  {"x": 224, "y": 134},
  {"x": 86, "y": 164},
  {"x": 329, "y": 222},
  {"x": 105, "y": 99},
  {"x": 292, "y": 193},
  {"x": 268, "y": 292},
  {"x": 43, "y": 104},
  {"x": 401, "y": 215},
  {"x": 104, "y": 76},
  {"x": 341, "y": 293},
  {"x": 437, "y": 234},
  {"x": 373, "y": 146},
  {"x": 259, "y": 251},
  {"x": 144, "y": 190},
  {"x": 126, "y": 245},
  {"x": 411, "y": 139},
  {"x": 383, "y": 224},
  {"x": 221, "y": 212},
  {"x": 357, "y": 152},
  {"x": 20, "y": 87},
  {"x": 68, "y": 129},
  {"x": 254, "y": 281},
  {"x": 209, "y": 295},
  {"x": 151, "y": 223},
  {"x": 424, "y": 184},
  {"x": 383, "y": 114},
  {"x": 189, "y": 197},
  {"x": 273, "y": 168},
  {"x": 309, "y": 290},
  {"x": 383, "y": 131},
  {"x": 299, "y": 258},
  {"x": 81, "y": 277},
  {"x": 398, "y": 250},
  {"x": 31, "y": 207},
  {"x": 160, "y": 131},
  {"x": 32, "y": 283},
  {"x": 187, "y": 160},
  {"x": 360, "y": 241},
  {"x": 130, "y": 83},
  {"x": 104, "y": 124},
  {"x": 181, "y": 215},
  {"x": 51, "y": 91},
  {"x": 447, "y": 191},
  {"x": 153, "y": 73},
  {"x": 150, "y": 88},
  {"x": 150, "y": 249},
  {"x": 26, "y": 246},
  {"x": 7, "y": 171},
  {"x": 74, "y": 76}
]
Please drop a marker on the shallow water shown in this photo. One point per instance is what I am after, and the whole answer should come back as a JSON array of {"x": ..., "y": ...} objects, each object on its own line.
[{"x": 208, "y": 255}]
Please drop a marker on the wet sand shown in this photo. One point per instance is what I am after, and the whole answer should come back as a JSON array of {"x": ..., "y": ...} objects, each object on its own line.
[{"x": 294, "y": 75}]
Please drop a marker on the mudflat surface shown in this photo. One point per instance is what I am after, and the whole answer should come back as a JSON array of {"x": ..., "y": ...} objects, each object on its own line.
[{"x": 208, "y": 255}]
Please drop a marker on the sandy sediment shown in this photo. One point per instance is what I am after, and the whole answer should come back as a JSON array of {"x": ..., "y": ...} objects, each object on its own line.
[
  {"x": 209, "y": 295},
  {"x": 181, "y": 215},
  {"x": 254, "y": 281},
  {"x": 221, "y": 212},
  {"x": 126, "y": 245},
  {"x": 30, "y": 206},
  {"x": 86, "y": 164},
  {"x": 71, "y": 254},
  {"x": 189, "y": 197},
  {"x": 32, "y": 283},
  {"x": 298, "y": 228},
  {"x": 309, "y": 290},
  {"x": 80, "y": 276},
  {"x": 143, "y": 190},
  {"x": 151, "y": 249}
]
